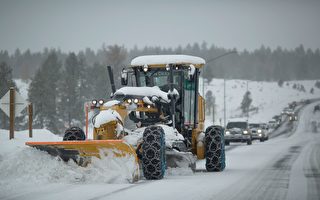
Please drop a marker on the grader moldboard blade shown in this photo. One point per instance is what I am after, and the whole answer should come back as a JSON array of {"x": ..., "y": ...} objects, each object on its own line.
[{"x": 82, "y": 151}]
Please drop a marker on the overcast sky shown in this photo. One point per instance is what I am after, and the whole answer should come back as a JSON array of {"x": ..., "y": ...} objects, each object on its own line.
[{"x": 72, "y": 25}]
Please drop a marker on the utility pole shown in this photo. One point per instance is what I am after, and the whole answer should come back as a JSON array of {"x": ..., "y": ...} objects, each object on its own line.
[
  {"x": 249, "y": 104},
  {"x": 224, "y": 82},
  {"x": 224, "y": 103}
]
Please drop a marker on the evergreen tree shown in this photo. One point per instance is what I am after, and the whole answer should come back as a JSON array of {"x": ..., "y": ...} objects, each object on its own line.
[
  {"x": 6, "y": 82},
  {"x": 246, "y": 102},
  {"x": 43, "y": 93},
  {"x": 71, "y": 106}
]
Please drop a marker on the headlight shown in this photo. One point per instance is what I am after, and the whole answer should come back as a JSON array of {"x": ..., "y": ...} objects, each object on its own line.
[
  {"x": 101, "y": 101},
  {"x": 129, "y": 100},
  {"x": 148, "y": 106},
  {"x": 245, "y": 132},
  {"x": 259, "y": 131},
  {"x": 167, "y": 67},
  {"x": 260, "y": 135},
  {"x": 135, "y": 100},
  {"x": 227, "y": 132},
  {"x": 94, "y": 102},
  {"x": 145, "y": 68}
]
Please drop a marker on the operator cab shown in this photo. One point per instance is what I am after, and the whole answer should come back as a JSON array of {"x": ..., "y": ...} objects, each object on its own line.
[{"x": 154, "y": 70}]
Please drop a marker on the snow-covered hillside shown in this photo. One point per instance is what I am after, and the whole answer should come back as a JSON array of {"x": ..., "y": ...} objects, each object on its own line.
[
  {"x": 23, "y": 86},
  {"x": 268, "y": 97}
]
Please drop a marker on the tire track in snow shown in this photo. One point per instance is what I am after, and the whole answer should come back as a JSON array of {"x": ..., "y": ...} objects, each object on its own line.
[
  {"x": 271, "y": 183},
  {"x": 141, "y": 183},
  {"x": 312, "y": 173}
]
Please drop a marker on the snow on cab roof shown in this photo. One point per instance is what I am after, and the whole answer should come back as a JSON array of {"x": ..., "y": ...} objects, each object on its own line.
[{"x": 162, "y": 60}]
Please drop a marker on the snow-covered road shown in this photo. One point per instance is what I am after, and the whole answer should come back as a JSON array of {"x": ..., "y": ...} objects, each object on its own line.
[{"x": 285, "y": 167}]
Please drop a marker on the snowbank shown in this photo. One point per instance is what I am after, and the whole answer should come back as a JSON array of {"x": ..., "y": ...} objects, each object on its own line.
[{"x": 22, "y": 166}]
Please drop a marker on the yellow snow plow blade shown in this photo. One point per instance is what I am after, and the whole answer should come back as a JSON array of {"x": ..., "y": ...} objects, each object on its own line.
[
  {"x": 82, "y": 151},
  {"x": 87, "y": 148}
]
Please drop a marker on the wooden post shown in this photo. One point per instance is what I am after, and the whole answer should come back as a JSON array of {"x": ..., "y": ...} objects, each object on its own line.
[
  {"x": 30, "y": 112},
  {"x": 87, "y": 120},
  {"x": 12, "y": 114}
]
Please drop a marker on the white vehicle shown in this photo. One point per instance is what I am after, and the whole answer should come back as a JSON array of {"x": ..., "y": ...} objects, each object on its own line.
[
  {"x": 259, "y": 131},
  {"x": 238, "y": 130}
]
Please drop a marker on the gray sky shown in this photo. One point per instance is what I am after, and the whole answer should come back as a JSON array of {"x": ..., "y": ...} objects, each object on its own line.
[{"x": 72, "y": 25}]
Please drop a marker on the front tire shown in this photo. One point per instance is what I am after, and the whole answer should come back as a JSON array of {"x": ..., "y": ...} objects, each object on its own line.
[
  {"x": 153, "y": 153},
  {"x": 74, "y": 134},
  {"x": 249, "y": 142},
  {"x": 214, "y": 146}
]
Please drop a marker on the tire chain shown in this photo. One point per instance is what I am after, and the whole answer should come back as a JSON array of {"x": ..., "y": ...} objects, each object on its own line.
[
  {"x": 215, "y": 155},
  {"x": 74, "y": 133},
  {"x": 152, "y": 163}
]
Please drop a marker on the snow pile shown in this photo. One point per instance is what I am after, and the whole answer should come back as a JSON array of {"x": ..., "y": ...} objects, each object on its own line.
[
  {"x": 171, "y": 135},
  {"x": 22, "y": 166},
  {"x": 106, "y": 116},
  {"x": 143, "y": 91}
]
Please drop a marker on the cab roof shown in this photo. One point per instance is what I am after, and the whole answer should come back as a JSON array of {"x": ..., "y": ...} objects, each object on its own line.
[{"x": 163, "y": 60}]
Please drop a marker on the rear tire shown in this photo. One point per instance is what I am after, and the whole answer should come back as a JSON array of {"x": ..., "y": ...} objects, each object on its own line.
[
  {"x": 249, "y": 142},
  {"x": 153, "y": 153},
  {"x": 261, "y": 139},
  {"x": 227, "y": 143},
  {"x": 73, "y": 134},
  {"x": 214, "y": 146}
]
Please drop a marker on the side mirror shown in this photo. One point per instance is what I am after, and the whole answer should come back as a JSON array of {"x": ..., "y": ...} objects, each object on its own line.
[{"x": 124, "y": 77}]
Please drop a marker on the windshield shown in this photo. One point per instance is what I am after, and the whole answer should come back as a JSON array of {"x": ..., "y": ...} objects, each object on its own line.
[
  {"x": 159, "y": 78},
  {"x": 242, "y": 125},
  {"x": 254, "y": 125}
]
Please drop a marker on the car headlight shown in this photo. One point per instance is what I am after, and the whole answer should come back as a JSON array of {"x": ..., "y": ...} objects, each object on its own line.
[
  {"x": 148, "y": 106},
  {"x": 259, "y": 131},
  {"x": 135, "y": 101},
  {"x": 260, "y": 135},
  {"x": 129, "y": 100},
  {"x": 227, "y": 132},
  {"x": 245, "y": 132}
]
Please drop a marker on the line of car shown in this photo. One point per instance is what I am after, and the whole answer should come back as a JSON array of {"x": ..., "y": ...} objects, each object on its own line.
[{"x": 240, "y": 130}]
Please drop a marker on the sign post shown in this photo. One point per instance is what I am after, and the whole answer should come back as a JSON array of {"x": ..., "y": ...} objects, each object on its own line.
[
  {"x": 12, "y": 114},
  {"x": 12, "y": 104},
  {"x": 30, "y": 113}
]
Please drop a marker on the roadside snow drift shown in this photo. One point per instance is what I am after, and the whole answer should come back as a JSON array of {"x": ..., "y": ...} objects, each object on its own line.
[{"x": 22, "y": 166}]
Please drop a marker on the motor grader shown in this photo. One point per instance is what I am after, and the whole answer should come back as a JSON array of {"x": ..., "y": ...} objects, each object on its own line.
[{"x": 168, "y": 111}]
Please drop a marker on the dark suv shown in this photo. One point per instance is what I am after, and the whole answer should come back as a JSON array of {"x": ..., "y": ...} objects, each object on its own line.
[{"x": 237, "y": 131}]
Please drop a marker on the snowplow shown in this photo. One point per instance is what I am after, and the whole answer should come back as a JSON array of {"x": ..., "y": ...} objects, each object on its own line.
[{"x": 167, "y": 110}]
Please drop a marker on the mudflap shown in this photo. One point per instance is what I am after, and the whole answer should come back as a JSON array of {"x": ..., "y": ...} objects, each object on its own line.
[
  {"x": 179, "y": 159},
  {"x": 81, "y": 152}
]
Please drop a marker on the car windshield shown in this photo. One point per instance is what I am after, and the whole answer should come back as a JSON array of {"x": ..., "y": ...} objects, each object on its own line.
[
  {"x": 254, "y": 125},
  {"x": 242, "y": 125}
]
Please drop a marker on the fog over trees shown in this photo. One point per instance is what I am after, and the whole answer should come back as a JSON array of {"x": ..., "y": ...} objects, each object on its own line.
[{"x": 63, "y": 82}]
